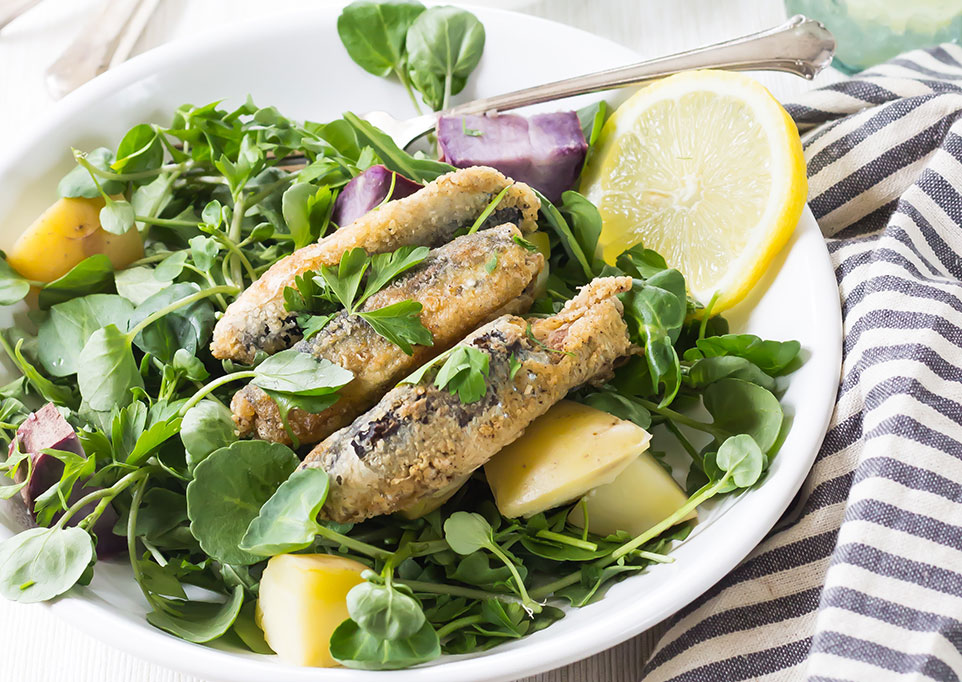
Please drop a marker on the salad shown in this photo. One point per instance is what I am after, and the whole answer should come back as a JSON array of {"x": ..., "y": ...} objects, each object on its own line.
[{"x": 354, "y": 405}]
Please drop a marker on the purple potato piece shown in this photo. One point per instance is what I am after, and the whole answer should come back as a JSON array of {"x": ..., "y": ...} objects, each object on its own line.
[
  {"x": 545, "y": 151},
  {"x": 46, "y": 429},
  {"x": 368, "y": 190}
]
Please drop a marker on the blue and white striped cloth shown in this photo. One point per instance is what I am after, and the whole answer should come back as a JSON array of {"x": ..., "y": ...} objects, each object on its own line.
[{"x": 862, "y": 579}]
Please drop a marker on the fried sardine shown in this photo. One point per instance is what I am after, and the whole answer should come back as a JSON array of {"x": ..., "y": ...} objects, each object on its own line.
[
  {"x": 420, "y": 438},
  {"x": 258, "y": 321},
  {"x": 460, "y": 286}
]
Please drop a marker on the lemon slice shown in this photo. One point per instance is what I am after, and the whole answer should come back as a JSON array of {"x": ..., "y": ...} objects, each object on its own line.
[{"x": 706, "y": 168}]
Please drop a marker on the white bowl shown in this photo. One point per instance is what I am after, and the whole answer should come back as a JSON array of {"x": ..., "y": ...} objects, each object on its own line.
[{"x": 296, "y": 62}]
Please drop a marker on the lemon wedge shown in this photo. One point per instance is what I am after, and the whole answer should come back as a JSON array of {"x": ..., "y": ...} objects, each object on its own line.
[{"x": 706, "y": 168}]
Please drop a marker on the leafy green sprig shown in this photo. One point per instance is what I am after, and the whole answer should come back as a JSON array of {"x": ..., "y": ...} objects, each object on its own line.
[
  {"x": 431, "y": 50},
  {"x": 319, "y": 296}
]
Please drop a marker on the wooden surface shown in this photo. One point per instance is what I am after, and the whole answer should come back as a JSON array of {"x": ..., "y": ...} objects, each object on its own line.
[{"x": 35, "y": 646}]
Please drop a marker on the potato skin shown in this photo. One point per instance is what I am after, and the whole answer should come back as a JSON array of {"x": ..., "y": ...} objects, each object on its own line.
[{"x": 67, "y": 233}]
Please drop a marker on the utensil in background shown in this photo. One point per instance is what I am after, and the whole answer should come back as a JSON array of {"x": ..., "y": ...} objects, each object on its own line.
[
  {"x": 800, "y": 46},
  {"x": 13, "y": 9},
  {"x": 871, "y": 31},
  {"x": 106, "y": 39}
]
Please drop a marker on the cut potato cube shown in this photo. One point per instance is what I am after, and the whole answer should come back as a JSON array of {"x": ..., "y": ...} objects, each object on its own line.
[
  {"x": 67, "y": 233},
  {"x": 566, "y": 452},
  {"x": 641, "y": 496},
  {"x": 302, "y": 599},
  {"x": 429, "y": 503}
]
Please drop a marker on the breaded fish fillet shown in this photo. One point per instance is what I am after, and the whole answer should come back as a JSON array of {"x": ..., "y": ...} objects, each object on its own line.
[
  {"x": 257, "y": 320},
  {"x": 457, "y": 294},
  {"x": 418, "y": 439}
]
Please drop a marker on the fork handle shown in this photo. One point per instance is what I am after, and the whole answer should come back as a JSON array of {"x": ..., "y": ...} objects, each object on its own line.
[{"x": 800, "y": 46}]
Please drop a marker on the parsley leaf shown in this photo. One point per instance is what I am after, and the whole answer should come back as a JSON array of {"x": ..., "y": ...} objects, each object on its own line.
[
  {"x": 312, "y": 324},
  {"x": 400, "y": 324},
  {"x": 491, "y": 264},
  {"x": 417, "y": 375},
  {"x": 464, "y": 374},
  {"x": 386, "y": 266},
  {"x": 514, "y": 365},
  {"x": 345, "y": 282}
]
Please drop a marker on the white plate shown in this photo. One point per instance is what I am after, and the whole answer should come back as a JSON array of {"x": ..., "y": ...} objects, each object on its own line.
[{"x": 297, "y": 63}]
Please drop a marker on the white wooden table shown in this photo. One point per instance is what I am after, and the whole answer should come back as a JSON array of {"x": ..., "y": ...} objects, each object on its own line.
[{"x": 35, "y": 646}]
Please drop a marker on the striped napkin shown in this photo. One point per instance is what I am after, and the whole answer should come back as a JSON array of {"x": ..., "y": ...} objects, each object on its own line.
[{"x": 862, "y": 578}]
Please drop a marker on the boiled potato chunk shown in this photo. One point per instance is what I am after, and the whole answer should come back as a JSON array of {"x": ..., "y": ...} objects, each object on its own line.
[
  {"x": 566, "y": 452},
  {"x": 302, "y": 600},
  {"x": 641, "y": 496},
  {"x": 65, "y": 234}
]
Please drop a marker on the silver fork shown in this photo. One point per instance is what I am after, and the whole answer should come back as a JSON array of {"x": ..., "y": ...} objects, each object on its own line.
[{"x": 800, "y": 46}]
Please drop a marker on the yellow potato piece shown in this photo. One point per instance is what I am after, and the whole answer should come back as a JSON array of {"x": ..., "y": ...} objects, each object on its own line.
[
  {"x": 641, "y": 496},
  {"x": 565, "y": 453},
  {"x": 67, "y": 233},
  {"x": 302, "y": 600}
]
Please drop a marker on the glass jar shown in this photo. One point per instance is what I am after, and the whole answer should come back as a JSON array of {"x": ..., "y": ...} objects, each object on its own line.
[{"x": 871, "y": 31}]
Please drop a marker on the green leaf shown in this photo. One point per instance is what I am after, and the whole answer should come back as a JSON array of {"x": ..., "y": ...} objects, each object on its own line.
[
  {"x": 400, "y": 323},
  {"x": 467, "y": 532},
  {"x": 772, "y": 357},
  {"x": 592, "y": 119},
  {"x": 188, "y": 327},
  {"x": 139, "y": 150},
  {"x": 513, "y": 366},
  {"x": 384, "y": 612},
  {"x": 92, "y": 275},
  {"x": 291, "y": 371},
  {"x": 117, "y": 217},
  {"x": 585, "y": 222},
  {"x": 170, "y": 268},
  {"x": 152, "y": 198},
  {"x": 738, "y": 406},
  {"x": 345, "y": 282},
  {"x": 620, "y": 406},
  {"x": 126, "y": 427},
  {"x": 161, "y": 510},
  {"x": 41, "y": 563},
  {"x": 106, "y": 370},
  {"x": 741, "y": 457},
  {"x": 247, "y": 629},
  {"x": 296, "y": 208},
  {"x": 138, "y": 284},
  {"x": 394, "y": 158},
  {"x": 206, "y": 427},
  {"x": 229, "y": 488},
  {"x": 203, "y": 251},
  {"x": 385, "y": 267},
  {"x": 157, "y": 580},
  {"x": 78, "y": 183},
  {"x": 444, "y": 46},
  {"x": 561, "y": 228},
  {"x": 151, "y": 439},
  {"x": 709, "y": 370},
  {"x": 464, "y": 373},
  {"x": 373, "y": 33},
  {"x": 69, "y": 325},
  {"x": 198, "y": 621},
  {"x": 189, "y": 365},
  {"x": 13, "y": 287},
  {"x": 312, "y": 324},
  {"x": 354, "y": 647},
  {"x": 288, "y": 520}
]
